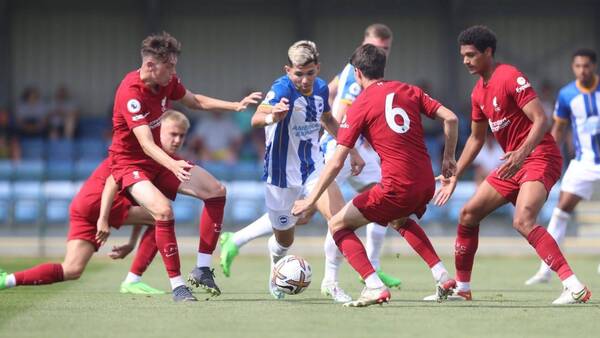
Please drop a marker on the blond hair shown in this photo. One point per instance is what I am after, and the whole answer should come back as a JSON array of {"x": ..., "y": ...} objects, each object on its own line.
[
  {"x": 177, "y": 117},
  {"x": 302, "y": 53}
]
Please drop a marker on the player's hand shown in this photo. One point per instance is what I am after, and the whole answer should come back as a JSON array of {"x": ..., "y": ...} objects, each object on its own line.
[
  {"x": 301, "y": 207},
  {"x": 442, "y": 195},
  {"x": 356, "y": 163},
  {"x": 280, "y": 110},
  {"x": 121, "y": 251},
  {"x": 513, "y": 161},
  {"x": 103, "y": 232},
  {"x": 181, "y": 169},
  {"x": 448, "y": 167},
  {"x": 253, "y": 98}
]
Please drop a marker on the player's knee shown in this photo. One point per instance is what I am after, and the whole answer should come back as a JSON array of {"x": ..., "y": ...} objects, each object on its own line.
[
  {"x": 72, "y": 271},
  {"x": 163, "y": 213},
  {"x": 468, "y": 216},
  {"x": 523, "y": 225},
  {"x": 335, "y": 224}
]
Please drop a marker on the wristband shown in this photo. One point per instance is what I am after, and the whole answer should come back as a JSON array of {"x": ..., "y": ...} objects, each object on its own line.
[{"x": 269, "y": 119}]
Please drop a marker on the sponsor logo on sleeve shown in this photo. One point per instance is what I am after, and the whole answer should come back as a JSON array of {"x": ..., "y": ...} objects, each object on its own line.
[
  {"x": 138, "y": 117},
  {"x": 523, "y": 84},
  {"x": 134, "y": 106}
]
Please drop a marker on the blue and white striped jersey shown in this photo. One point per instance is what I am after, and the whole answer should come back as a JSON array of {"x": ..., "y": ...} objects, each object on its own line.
[
  {"x": 292, "y": 144},
  {"x": 347, "y": 90},
  {"x": 581, "y": 107}
]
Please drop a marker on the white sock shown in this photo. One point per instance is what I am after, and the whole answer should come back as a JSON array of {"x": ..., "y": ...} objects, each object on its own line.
[
  {"x": 373, "y": 282},
  {"x": 258, "y": 228},
  {"x": 333, "y": 259},
  {"x": 557, "y": 229},
  {"x": 176, "y": 282},
  {"x": 132, "y": 278},
  {"x": 463, "y": 286},
  {"x": 439, "y": 272},
  {"x": 203, "y": 260},
  {"x": 11, "y": 281},
  {"x": 276, "y": 250},
  {"x": 573, "y": 284},
  {"x": 375, "y": 239}
]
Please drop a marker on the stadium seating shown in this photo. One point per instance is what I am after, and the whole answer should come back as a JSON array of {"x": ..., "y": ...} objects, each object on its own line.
[
  {"x": 57, "y": 195},
  {"x": 186, "y": 209},
  {"x": 33, "y": 148},
  {"x": 6, "y": 170},
  {"x": 27, "y": 170},
  {"x": 27, "y": 202}
]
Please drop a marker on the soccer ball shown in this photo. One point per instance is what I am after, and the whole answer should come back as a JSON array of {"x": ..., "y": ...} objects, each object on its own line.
[{"x": 292, "y": 274}]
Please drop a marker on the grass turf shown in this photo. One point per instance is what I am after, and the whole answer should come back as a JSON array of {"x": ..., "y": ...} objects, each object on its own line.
[{"x": 503, "y": 306}]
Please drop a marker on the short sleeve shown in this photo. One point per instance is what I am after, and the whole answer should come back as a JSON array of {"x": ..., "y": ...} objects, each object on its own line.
[
  {"x": 351, "y": 129},
  {"x": 178, "y": 91},
  {"x": 429, "y": 105},
  {"x": 562, "y": 110},
  {"x": 278, "y": 91},
  {"x": 133, "y": 109},
  {"x": 325, "y": 96},
  {"x": 350, "y": 89},
  {"x": 519, "y": 88},
  {"x": 476, "y": 111}
]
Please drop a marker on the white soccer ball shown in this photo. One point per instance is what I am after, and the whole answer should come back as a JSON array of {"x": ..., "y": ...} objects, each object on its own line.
[{"x": 292, "y": 274}]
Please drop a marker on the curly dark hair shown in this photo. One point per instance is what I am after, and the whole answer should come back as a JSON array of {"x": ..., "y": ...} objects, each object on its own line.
[
  {"x": 161, "y": 46},
  {"x": 479, "y": 36}
]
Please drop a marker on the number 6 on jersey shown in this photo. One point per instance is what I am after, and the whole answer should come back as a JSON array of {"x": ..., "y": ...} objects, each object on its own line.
[{"x": 390, "y": 116}]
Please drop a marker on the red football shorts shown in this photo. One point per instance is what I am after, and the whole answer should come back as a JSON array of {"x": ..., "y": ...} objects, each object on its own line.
[
  {"x": 162, "y": 178},
  {"x": 545, "y": 169},
  {"x": 382, "y": 205}
]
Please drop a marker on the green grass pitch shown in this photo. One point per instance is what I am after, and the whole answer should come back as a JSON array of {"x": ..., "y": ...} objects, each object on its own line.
[{"x": 503, "y": 306}]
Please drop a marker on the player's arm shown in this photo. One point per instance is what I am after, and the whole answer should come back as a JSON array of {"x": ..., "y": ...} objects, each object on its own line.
[
  {"x": 333, "y": 89},
  {"x": 202, "y": 102},
  {"x": 332, "y": 126},
  {"x": 179, "y": 168},
  {"x": 450, "y": 122},
  {"x": 559, "y": 129},
  {"x": 331, "y": 170},
  {"x": 472, "y": 147},
  {"x": 266, "y": 114},
  {"x": 513, "y": 160},
  {"x": 108, "y": 196},
  {"x": 121, "y": 251}
]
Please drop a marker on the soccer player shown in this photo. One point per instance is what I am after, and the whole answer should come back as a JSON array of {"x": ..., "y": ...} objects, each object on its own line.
[
  {"x": 343, "y": 89},
  {"x": 504, "y": 99},
  {"x": 88, "y": 230},
  {"x": 142, "y": 170},
  {"x": 577, "y": 103},
  {"x": 388, "y": 115},
  {"x": 292, "y": 114}
]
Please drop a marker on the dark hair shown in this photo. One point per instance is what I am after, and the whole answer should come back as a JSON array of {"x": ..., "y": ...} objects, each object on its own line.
[
  {"x": 379, "y": 30},
  {"x": 479, "y": 36},
  {"x": 370, "y": 60},
  {"x": 589, "y": 53},
  {"x": 161, "y": 46}
]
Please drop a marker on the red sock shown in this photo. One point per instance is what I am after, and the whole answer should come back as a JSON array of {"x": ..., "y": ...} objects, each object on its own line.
[
  {"x": 210, "y": 224},
  {"x": 549, "y": 252},
  {"x": 349, "y": 244},
  {"x": 145, "y": 252},
  {"x": 467, "y": 239},
  {"x": 166, "y": 242},
  {"x": 46, "y": 273},
  {"x": 418, "y": 240}
]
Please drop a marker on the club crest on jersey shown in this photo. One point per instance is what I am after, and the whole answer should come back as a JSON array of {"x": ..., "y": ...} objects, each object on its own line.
[
  {"x": 283, "y": 220},
  {"x": 134, "y": 106},
  {"x": 523, "y": 84},
  {"x": 495, "y": 104},
  {"x": 136, "y": 175}
]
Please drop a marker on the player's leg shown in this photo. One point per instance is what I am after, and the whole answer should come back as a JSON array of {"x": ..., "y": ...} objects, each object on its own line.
[
  {"x": 530, "y": 200},
  {"x": 485, "y": 200},
  {"x": 342, "y": 226},
  {"x": 159, "y": 206},
  {"x": 206, "y": 187},
  {"x": 76, "y": 258},
  {"x": 557, "y": 227},
  {"x": 329, "y": 204}
]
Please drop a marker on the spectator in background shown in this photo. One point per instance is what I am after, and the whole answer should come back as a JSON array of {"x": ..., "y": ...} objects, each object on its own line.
[
  {"x": 488, "y": 158},
  {"x": 253, "y": 139},
  {"x": 216, "y": 138},
  {"x": 32, "y": 114},
  {"x": 10, "y": 148},
  {"x": 62, "y": 118}
]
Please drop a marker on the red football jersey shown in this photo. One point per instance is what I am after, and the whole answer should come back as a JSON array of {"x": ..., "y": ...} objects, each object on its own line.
[
  {"x": 501, "y": 101},
  {"x": 388, "y": 114},
  {"x": 136, "y": 105}
]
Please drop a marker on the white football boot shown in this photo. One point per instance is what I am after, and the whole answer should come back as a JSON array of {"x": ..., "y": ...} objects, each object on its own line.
[
  {"x": 568, "y": 297},
  {"x": 333, "y": 290}
]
